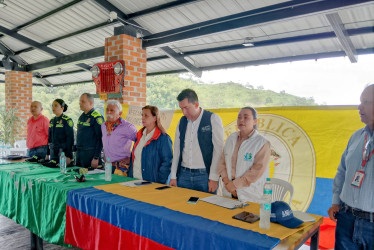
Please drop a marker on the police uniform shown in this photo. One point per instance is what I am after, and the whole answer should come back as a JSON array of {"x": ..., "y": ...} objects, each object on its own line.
[
  {"x": 60, "y": 136},
  {"x": 89, "y": 144}
]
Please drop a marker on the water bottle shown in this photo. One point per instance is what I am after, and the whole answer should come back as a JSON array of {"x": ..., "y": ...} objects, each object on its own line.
[
  {"x": 108, "y": 170},
  {"x": 265, "y": 207},
  {"x": 62, "y": 163}
]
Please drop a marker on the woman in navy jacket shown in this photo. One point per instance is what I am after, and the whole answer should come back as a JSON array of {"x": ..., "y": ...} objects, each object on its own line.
[{"x": 152, "y": 153}]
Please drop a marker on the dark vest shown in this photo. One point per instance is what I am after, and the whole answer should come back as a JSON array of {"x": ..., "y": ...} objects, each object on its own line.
[{"x": 204, "y": 136}]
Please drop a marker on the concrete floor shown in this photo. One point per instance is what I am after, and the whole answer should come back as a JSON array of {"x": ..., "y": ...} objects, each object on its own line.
[{"x": 16, "y": 237}]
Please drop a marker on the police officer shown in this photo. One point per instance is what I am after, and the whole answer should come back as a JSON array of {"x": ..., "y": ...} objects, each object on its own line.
[
  {"x": 89, "y": 144},
  {"x": 60, "y": 134}
]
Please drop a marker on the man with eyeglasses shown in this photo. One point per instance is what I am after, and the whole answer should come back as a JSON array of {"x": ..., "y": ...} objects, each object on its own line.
[{"x": 353, "y": 199}]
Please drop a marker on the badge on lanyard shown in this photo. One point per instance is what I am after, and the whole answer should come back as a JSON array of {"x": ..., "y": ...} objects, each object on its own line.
[{"x": 357, "y": 179}]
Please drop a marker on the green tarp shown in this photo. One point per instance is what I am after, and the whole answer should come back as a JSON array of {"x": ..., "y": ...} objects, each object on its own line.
[{"x": 35, "y": 197}]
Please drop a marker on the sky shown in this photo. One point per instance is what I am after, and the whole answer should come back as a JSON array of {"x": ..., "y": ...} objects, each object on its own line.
[{"x": 333, "y": 81}]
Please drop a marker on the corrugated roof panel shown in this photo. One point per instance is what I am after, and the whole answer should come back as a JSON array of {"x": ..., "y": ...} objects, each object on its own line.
[
  {"x": 80, "y": 16},
  {"x": 85, "y": 41},
  {"x": 198, "y": 12},
  {"x": 256, "y": 4},
  {"x": 53, "y": 69},
  {"x": 77, "y": 77},
  {"x": 363, "y": 41},
  {"x": 131, "y": 6},
  {"x": 14, "y": 44},
  {"x": 36, "y": 56},
  {"x": 19, "y": 12},
  {"x": 162, "y": 65},
  {"x": 358, "y": 14}
]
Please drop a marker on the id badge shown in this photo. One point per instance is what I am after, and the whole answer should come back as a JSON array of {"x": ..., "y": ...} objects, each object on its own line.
[{"x": 357, "y": 179}]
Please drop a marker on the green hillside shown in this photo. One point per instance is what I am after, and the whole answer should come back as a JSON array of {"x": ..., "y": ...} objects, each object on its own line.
[{"x": 162, "y": 92}]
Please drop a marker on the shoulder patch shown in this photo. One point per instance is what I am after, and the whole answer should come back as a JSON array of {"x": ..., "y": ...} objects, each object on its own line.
[
  {"x": 99, "y": 120},
  {"x": 95, "y": 114},
  {"x": 70, "y": 123}
]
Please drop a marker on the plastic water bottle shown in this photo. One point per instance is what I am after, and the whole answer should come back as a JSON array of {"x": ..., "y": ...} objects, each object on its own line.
[
  {"x": 265, "y": 207},
  {"x": 108, "y": 170},
  {"x": 62, "y": 163}
]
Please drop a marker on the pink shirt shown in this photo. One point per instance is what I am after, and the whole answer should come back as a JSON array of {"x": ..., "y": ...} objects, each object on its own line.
[{"x": 37, "y": 131}]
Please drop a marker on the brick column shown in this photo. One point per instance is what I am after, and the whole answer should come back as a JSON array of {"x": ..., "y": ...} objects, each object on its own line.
[
  {"x": 18, "y": 94},
  {"x": 129, "y": 49}
]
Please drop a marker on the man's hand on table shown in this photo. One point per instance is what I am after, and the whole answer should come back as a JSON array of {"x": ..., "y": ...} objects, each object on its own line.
[{"x": 173, "y": 182}]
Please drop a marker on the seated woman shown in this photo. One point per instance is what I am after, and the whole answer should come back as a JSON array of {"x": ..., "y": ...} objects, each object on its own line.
[
  {"x": 152, "y": 153},
  {"x": 60, "y": 135},
  {"x": 244, "y": 164}
]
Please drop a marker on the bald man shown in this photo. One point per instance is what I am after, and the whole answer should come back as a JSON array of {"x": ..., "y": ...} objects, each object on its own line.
[
  {"x": 353, "y": 203},
  {"x": 37, "y": 133}
]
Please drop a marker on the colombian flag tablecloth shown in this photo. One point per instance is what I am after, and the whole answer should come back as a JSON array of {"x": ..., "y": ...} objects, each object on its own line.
[
  {"x": 119, "y": 217},
  {"x": 35, "y": 197}
]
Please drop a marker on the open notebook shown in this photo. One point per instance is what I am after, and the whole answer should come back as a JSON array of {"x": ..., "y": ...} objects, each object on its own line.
[{"x": 303, "y": 216}]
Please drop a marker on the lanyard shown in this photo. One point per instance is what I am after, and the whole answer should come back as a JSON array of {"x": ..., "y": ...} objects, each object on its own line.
[{"x": 366, "y": 155}]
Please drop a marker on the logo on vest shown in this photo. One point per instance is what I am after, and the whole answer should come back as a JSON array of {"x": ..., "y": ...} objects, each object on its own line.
[
  {"x": 248, "y": 157},
  {"x": 207, "y": 128}
]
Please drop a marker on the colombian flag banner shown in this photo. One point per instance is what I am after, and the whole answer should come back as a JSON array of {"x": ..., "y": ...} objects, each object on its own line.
[{"x": 306, "y": 145}]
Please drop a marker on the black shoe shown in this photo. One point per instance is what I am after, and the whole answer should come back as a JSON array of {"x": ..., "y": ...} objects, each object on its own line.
[
  {"x": 51, "y": 164},
  {"x": 33, "y": 159}
]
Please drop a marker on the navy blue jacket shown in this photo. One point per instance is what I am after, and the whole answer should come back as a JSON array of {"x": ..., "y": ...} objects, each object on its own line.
[{"x": 157, "y": 156}]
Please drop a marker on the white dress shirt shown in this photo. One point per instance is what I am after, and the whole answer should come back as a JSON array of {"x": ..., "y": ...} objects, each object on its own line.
[
  {"x": 191, "y": 155},
  {"x": 137, "y": 167}
]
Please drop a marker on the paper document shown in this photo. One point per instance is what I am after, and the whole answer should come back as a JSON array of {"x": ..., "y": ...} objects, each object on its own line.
[
  {"x": 303, "y": 216},
  {"x": 135, "y": 183},
  {"x": 95, "y": 171},
  {"x": 224, "y": 202}
]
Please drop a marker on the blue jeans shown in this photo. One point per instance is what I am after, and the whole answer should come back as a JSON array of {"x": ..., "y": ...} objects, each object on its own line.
[
  {"x": 39, "y": 151},
  {"x": 352, "y": 232},
  {"x": 196, "y": 179}
]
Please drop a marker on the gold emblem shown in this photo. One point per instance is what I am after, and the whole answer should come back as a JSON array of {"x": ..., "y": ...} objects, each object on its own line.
[
  {"x": 70, "y": 123},
  {"x": 99, "y": 120}
]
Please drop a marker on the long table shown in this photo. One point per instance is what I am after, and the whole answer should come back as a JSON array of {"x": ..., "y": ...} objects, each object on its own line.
[
  {"x": 35, "y": 197},
  {"x": 119, "y": 217}
]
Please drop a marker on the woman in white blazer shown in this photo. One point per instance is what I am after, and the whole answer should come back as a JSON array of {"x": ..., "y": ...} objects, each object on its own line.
[{"x": 244, "y": 164}]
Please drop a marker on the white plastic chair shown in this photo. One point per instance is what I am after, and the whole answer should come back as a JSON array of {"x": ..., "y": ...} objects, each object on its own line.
[
  {"x": 20, "y": 148},
  {"x": 280, "y": 189}
]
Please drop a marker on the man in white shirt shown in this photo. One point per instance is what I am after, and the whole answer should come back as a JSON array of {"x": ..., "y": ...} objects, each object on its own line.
[{"x": 198, "y": 146}]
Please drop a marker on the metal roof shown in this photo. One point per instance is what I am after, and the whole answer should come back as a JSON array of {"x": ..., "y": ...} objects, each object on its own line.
[{"x": 59, "y": 40}]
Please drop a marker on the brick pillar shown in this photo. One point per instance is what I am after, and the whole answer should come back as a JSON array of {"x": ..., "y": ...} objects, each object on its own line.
[
  {"x": 129, "y": 49},
  {"x": 18, "y": 94}
]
